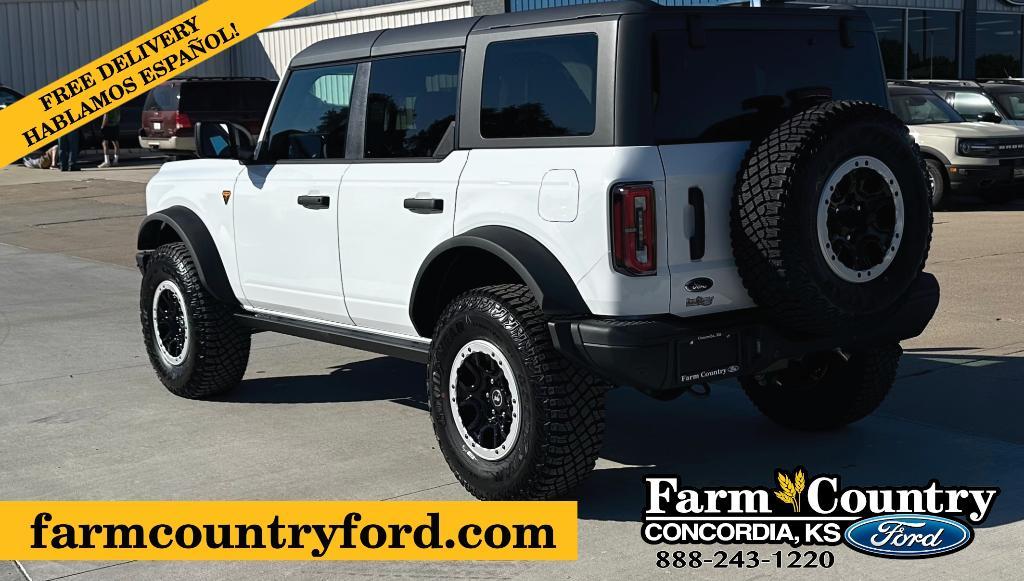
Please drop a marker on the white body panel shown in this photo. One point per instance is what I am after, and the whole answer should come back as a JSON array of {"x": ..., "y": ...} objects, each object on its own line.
[
  {"x": 712, "y": 167},
  {"x": 287, "y": 254},
  {"x": 382, "y": 243},
  {"x": 502, "y": 187},
  {"x": 355, "y": 263},
  {"x": 197, "y": 185}
]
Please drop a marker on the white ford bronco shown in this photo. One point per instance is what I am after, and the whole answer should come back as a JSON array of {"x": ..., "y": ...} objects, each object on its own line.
[
  {"x": 961, "y": 157},
  {"x": 542, "y": 205}
]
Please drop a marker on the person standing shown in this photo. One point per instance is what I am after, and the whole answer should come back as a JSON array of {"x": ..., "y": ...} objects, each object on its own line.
[
  {"x": 110, "y": 133},
  {"x": 67, "y": 151}
]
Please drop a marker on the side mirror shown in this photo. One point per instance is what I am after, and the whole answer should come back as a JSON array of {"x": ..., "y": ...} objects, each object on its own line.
[
  {"x": 223, "y": 140},
  {"x": 990, "y": 118}
]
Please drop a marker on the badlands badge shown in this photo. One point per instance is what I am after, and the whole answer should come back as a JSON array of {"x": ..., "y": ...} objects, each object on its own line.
[{"x": 801, "y": 510}]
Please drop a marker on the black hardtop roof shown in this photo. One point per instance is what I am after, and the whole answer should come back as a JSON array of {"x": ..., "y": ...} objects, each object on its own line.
[{"x": 453, "y": 33}]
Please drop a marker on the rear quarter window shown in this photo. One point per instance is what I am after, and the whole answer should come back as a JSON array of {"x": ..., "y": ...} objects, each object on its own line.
[
  {"x": 737, "y": 85},
  {"x": 540, "y": 87}
]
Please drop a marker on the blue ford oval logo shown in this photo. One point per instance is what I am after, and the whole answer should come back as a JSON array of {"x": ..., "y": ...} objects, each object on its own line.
[
  {"x": 698, "y": 285},
  {"x": 907, "y": 535}
]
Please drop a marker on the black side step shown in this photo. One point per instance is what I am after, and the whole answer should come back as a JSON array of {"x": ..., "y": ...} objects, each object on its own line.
[{"x": 355, "y": 338}]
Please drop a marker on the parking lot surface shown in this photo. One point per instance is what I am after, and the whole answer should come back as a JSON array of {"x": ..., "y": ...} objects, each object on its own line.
[{"x": 84, "y": 418}]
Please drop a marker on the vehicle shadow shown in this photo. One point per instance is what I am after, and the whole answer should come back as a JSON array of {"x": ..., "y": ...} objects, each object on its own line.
[
  {"x": 378, "y": 379},
  {"x": 951, "y": 417},
  {"x": 954, "y": 419}
]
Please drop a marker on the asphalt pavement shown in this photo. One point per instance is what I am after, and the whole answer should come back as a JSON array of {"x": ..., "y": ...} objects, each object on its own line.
[{"x": 82, "y": 416}]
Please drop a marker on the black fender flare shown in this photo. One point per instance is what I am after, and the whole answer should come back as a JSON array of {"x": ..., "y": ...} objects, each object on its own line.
[
  {"x": 191, "y": 230},
  {"x": 551, "y": 285},
  {"x": 932, "y": 152}
]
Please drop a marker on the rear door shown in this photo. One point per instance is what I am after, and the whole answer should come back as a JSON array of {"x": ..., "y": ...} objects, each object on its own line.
[
  {"x": 398, "y": 201},
  {"x": 718, "y": 94}
]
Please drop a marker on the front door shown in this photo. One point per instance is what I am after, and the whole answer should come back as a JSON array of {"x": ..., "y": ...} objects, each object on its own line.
[
  {"x": 398, "y": 203},
  {"x": 286, "y": 212}
]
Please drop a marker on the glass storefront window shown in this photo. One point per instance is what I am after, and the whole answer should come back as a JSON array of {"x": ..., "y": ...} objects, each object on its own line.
[
  {"x": 998, "y": 46},
  {"x": 932, "y": 39},
  {"x": 889, "y": 28}
]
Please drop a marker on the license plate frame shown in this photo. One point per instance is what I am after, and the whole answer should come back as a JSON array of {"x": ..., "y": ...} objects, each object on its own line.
[{"x": 708, "y": 357}]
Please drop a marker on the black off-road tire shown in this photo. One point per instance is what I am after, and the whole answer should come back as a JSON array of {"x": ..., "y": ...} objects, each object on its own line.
[
  {"x": 940, "y": 178},
  {"x": 562, "y": 406},
  {"x": 824, "y": 391},
  {"x": 774, "y": 216},
  {"x": 217, "y": 349}
]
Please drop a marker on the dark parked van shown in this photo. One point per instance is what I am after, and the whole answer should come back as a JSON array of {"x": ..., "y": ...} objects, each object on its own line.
[{"x": 172, "y": 109}]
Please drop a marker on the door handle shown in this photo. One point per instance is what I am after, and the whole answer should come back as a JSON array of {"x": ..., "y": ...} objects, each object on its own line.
[
  {"x": 698, "y": 240},
  {"x": 315, "y": 202},
  {"x": 424, "y": 205}
]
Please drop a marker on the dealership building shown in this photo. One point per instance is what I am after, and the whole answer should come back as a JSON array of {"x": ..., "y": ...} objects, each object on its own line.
[{"x": 45, "y": 39}]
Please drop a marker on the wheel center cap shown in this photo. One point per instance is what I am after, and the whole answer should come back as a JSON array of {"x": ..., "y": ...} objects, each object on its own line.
[{"x": 496, "y": 398}]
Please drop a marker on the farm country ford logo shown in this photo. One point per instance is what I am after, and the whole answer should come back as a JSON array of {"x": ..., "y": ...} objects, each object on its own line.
[{"x": 804, "y": 510}]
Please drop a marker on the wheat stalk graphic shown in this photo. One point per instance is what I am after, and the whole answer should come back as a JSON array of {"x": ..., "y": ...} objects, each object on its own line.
[{"x": 790, "y": 489}]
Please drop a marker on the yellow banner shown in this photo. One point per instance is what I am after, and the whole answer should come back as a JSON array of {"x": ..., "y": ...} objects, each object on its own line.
[
  {"x": 289, "y": 530},
  {"x": 132, "y": 69}
]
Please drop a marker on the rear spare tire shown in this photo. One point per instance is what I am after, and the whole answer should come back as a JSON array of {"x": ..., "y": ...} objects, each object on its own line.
[{"x": 831, "y": 220}]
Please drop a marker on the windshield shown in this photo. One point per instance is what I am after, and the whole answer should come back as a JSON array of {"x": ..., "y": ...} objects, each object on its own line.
[
  {"x": 971, "y": 105},
  {"x": 1013, "y": 103},
  {"x": 921, "y": 109}
]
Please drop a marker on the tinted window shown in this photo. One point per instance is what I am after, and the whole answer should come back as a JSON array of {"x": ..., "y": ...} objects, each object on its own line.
[
  {"x": 741, "y": 83},
  {"x": 541, "y": 87},
  {"x": 411, "y": 104},
  {"x": 163, "y": 98},
  {"x": 919, "y": 109},
  {"x": 311, "y": 122}
]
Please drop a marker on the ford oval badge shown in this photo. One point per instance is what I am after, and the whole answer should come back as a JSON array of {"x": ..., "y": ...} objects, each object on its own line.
[
  {"x": 907, "y": 535},
  {"x": 699, "y": 285}
]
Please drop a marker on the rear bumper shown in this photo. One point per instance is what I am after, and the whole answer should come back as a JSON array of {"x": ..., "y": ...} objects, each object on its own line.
[
  {"x": 176, "y": 144},
  {"x": 667, "y": 353}
]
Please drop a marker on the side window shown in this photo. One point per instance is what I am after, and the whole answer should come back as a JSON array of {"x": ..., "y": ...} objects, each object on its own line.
[
  {"x": 540, "y": 87},
  {"x": 411, "y": 104},
  {"x": 311, "y": 120}
]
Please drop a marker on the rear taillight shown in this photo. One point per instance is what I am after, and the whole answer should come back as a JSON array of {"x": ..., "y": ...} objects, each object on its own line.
[
  {"x": 634, "y": 238},
  {"x": 181, "y": 121}
]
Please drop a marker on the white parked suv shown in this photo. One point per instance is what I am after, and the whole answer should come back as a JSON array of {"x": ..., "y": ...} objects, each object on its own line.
[
  {"x": 962, "y": 157},
  {"x": 542, "y": 205}
]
